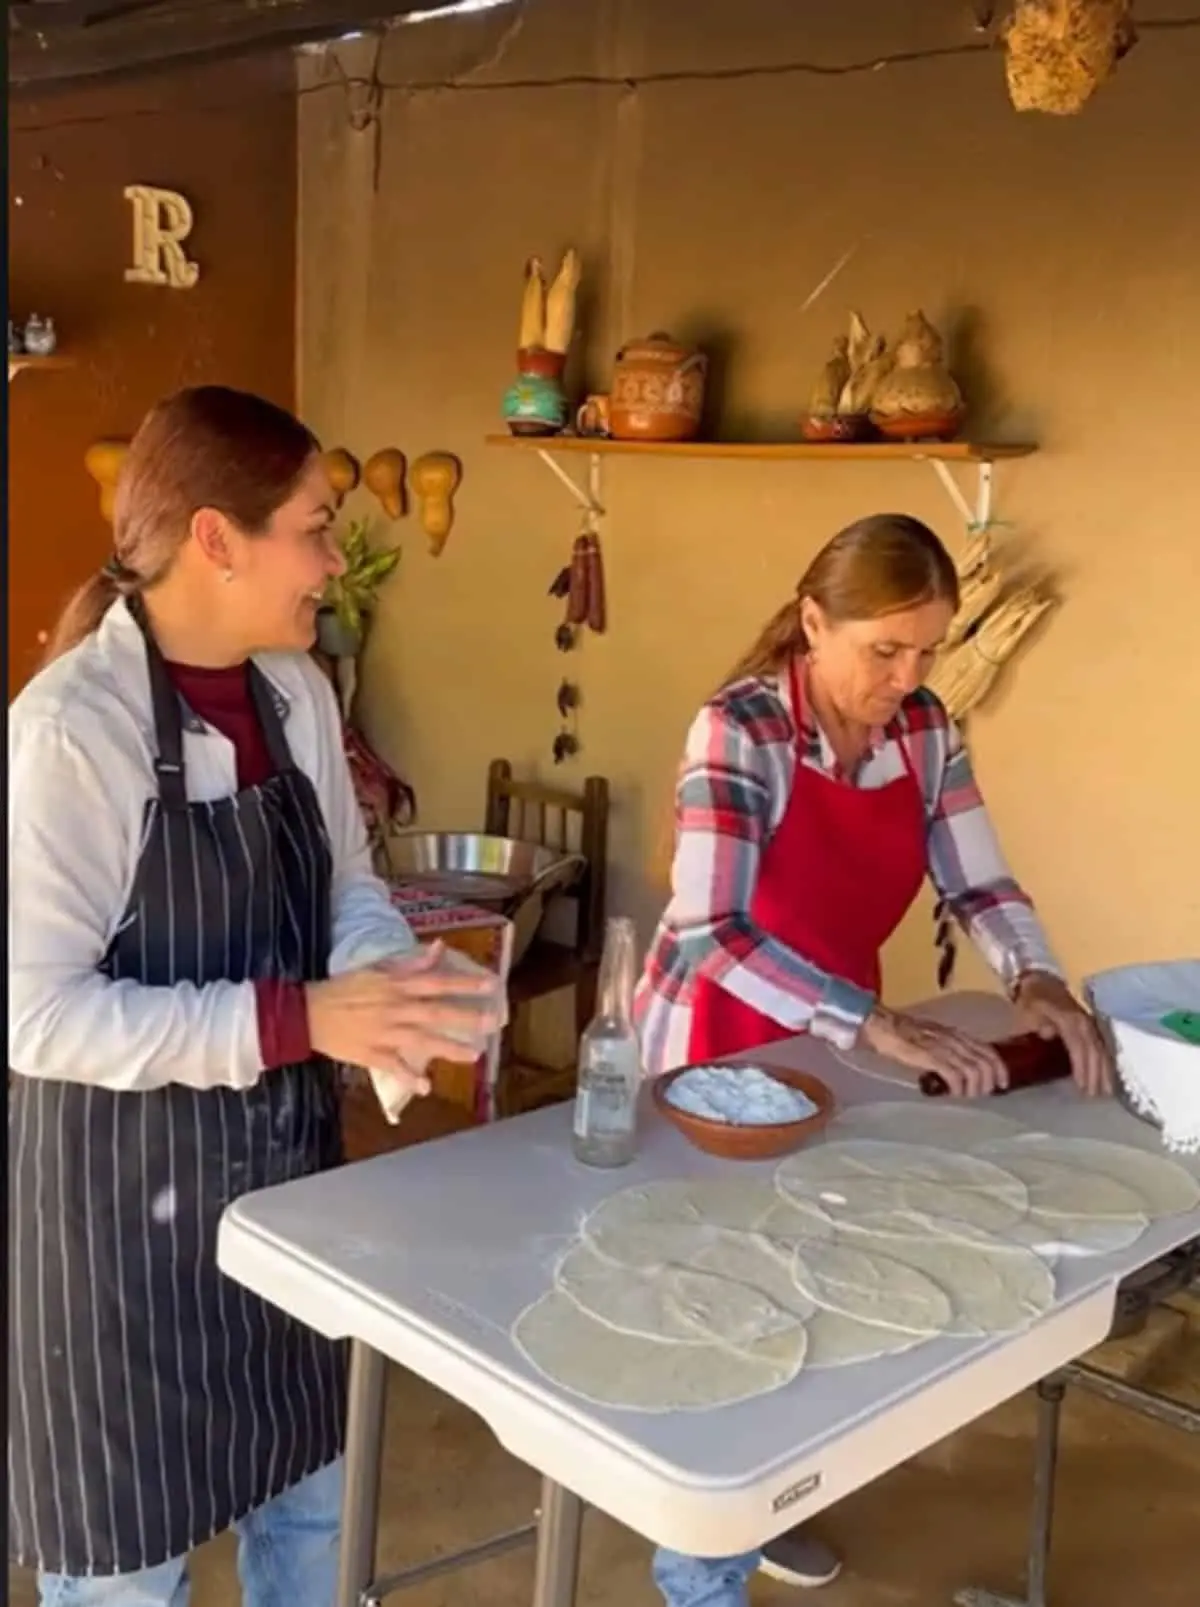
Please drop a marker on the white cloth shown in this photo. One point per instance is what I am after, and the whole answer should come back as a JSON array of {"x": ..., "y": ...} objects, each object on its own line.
[{"x": 81, "y": 773}]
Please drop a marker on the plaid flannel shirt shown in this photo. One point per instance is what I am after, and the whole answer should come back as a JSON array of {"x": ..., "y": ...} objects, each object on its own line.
[{"x": 733, "y": 788}]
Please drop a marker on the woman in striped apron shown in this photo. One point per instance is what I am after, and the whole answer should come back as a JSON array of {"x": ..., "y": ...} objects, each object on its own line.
[{"x": 196, "y": 938}]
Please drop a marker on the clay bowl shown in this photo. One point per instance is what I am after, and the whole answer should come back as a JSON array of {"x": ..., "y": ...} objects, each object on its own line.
[
  {"x": 918, "y": 426},
  {"x": 760, "y": 1143},
  {"x": 845, "y": 427}
]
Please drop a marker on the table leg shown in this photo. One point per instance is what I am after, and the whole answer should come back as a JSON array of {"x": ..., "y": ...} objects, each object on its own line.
[
  {"x": 560, "y": 1522},
  {"x": 1050, "y": 1393},
  {"x": 364, "y": 1458}
]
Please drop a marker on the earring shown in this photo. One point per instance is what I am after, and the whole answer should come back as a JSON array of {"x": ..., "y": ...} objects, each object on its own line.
[{"x": 227, "y": 575}]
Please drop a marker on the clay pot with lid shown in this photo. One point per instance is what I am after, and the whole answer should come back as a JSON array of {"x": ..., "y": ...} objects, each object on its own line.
[{"x": 657, "y": 391}]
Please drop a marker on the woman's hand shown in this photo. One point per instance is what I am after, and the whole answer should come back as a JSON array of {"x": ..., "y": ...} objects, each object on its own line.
[
  {"x": 1048, "y": 1008},
  {"x": 401, "y": 1014},
  {"x": 969, "y": 1068}
]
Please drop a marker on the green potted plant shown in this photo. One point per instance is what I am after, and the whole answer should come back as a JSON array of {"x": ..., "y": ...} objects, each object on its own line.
[{"x": 350, "y": 597}]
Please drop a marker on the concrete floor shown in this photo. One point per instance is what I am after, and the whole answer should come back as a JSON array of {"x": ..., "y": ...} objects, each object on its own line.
[{"x": 1128, "y": 1517}]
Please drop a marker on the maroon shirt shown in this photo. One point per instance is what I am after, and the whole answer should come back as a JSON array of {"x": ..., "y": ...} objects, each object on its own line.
[{"x": 222, "y": 699}]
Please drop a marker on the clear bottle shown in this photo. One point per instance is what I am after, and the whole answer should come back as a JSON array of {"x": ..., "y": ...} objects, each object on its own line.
[{"x": 610, "y": 1065}]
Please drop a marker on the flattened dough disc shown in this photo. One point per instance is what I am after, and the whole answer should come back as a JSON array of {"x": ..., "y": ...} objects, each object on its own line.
[
  {"x": 994, "y": 1286},
  {"x": 1164, "y": 1187},
  {"x": 933, "y": 1122},
  {"x": 657, "y": 1224},
  {"x": 872, "y": 1288},
  {"x": 580, "y": 1354},
  {"x": 837, "y": 1341},
  {"x": 686, "y": 1305},
  {"x": 844, "y": 1181}
]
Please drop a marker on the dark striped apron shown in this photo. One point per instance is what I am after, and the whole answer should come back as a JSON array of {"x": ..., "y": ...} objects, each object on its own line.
[{"x": 152, "y": 1401}]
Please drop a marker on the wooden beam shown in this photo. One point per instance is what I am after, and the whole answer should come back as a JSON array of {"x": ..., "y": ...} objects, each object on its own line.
[{"x": 52, "y": 44}]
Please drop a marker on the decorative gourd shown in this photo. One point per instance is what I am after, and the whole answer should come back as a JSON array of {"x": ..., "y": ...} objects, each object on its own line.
[
  {"x": 919, "y": 383},
  {"x": 103, "y": 460},
  {"x": 343, "y": 471},
  {"x": 434, "y": 479},
  {"x": 383, "y": 476}
]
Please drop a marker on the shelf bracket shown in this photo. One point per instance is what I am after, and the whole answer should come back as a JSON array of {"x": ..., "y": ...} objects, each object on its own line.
[
  {"x": 979, "y": 517},
  {"x": 587, "y": 496}
]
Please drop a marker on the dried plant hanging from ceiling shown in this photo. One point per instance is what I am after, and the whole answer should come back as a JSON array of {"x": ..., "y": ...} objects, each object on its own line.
[{"x": 1059, "y": 52}]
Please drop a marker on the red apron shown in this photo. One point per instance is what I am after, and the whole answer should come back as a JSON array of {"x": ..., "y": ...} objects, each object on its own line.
[{"x": 834, "y": 883}]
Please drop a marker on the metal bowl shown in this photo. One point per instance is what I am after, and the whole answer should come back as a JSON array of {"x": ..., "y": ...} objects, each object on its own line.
[{"x": 514, "y": 878}]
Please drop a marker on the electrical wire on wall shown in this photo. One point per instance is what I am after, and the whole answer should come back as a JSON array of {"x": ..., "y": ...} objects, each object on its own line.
[{"x": 470, "y": 83}]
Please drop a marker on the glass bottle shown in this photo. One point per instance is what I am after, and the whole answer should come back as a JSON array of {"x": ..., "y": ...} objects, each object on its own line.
[{"x": 610, "y": 1066}]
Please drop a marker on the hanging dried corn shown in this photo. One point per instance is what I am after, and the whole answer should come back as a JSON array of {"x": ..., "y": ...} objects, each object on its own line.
[{"x": 964, "y": 673}]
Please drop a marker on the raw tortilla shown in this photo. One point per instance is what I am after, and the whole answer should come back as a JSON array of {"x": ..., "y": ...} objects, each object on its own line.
[
  {"x": 1072, "y": 1211},
  {"x": 875, "y": 1289},
  {"x": 926, "y": 1121},
  {"x": 844, "y": 1181},
  {"x": 674, "y": 1223},
  {"x": 611, "y": 1369},
  {"x": 1164, "y": 1187},
  {"x": 993, "y": 1285},
  {"x": 684, "y": 1305},
  {"x": 837, "y": 1341}
]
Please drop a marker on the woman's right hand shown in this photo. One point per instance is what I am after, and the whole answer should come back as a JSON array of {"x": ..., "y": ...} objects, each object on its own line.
[
  {"x": 403, "y": 1013},
  {"x": 970, "y": 1068}
]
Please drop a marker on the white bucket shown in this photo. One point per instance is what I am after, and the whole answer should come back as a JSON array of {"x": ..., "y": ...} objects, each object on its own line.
[{"x": 1159, "y": 1071}]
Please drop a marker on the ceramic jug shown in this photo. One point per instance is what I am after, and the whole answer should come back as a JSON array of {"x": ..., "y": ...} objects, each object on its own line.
[{"x": 657, "y": 391}]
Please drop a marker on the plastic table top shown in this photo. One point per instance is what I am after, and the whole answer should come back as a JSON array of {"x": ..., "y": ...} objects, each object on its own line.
[{"x": 429, "y": 1254}]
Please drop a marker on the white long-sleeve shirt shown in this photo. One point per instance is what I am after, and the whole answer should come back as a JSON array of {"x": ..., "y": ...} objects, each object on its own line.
[{"x": 81, "y": 771}]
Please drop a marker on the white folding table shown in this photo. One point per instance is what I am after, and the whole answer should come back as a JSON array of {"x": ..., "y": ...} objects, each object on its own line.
[{"x": 426, "y": 1256}]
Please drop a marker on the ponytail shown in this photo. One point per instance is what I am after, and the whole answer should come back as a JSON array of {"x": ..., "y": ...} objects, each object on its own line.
[
  {"x": 205, "y": 447},
  {"x": 781, "y": 639},
  {"x": 82, "y": 615}
]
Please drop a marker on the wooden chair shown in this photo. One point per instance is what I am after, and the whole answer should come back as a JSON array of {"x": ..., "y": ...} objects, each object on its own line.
[{"x": 570, "y": 823}]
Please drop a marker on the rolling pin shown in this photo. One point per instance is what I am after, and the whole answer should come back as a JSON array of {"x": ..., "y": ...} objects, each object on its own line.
[{"x": 1031, "y": 1061}]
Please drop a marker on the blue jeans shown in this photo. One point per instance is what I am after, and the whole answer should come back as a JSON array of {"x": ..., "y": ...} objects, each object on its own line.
[
  {"x": 704, "y": 1581},
  {"x": 287, "y": 1557}
]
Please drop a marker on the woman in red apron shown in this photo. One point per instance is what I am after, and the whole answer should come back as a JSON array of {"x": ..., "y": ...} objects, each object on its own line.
[
  {"x": 820, "y": 787},
  {"x": 196, "y": 940}
]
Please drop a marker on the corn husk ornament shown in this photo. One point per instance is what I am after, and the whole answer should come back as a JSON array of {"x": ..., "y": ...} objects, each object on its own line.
[
  {"x": 870, "y": 362},
  {"x": 979, "y": 585},
  {"x": 560, "y": 304},
  {"x": 533, "y": 307},
  {"x": 991, "y": 621},
  {"x": 823, "y": 402},
  {"x": 1058, "y": 53}
]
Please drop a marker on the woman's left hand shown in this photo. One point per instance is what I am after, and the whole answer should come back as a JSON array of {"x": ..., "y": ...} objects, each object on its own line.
[{"x": 1049, "y": 1008}]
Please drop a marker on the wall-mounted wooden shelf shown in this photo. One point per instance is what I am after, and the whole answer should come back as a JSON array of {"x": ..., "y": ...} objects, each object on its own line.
[
  {"x": 772, "y": 451},
  {"x": 938, "y": 454},
  {"x": 18, "y": 363}
]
